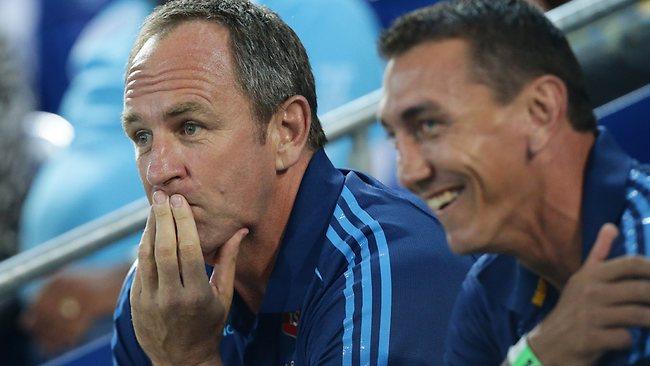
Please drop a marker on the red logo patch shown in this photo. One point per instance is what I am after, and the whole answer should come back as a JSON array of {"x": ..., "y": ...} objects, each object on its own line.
[{"x": 290, "y": 323}]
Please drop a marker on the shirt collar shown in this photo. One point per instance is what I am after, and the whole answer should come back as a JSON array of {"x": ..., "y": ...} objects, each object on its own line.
[
  {"x": 604, "y": 190},
  {"x": 603, "y": 200},
  {"x": 303, "y": 236}
]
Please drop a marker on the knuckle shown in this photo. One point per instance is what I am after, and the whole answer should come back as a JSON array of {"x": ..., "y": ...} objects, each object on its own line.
[
  {"x": 165, "y": 252},
  {"x": 161, "y": 211},
  {"x": 186, "y": 246},
  {"x": 148, "y": 229},
  {"x": 634, "y": 262},
  {"x": 142, "y": 303},
  {"x": 641, "y": 289},
  {"x": 185, "y": 303},
  {"x": 144, "y": 251},
  {"x": 180, "y": 213},
  {"x": 640, "y": 315},
  {"x": 620, "y": 339},
  {"x": 170, "y": 304}
]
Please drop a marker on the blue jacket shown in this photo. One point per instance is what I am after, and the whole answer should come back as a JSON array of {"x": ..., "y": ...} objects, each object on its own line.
[
  {"x": 363, "y": 277},
  {"x": 501, "y": 300}
]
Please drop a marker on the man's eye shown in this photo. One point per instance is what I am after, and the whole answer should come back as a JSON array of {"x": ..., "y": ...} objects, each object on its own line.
[
  {"x": 428, "y": 128},
  {"x": 142, "y": 138},
  {"x": 190, "y": 128}
]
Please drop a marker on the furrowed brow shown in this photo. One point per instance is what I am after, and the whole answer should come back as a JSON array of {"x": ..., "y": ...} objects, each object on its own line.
[
  {"x": 183, "y": 108},
  {"x": 129, "y": 119},
  {"x": 415, "y": 111}
]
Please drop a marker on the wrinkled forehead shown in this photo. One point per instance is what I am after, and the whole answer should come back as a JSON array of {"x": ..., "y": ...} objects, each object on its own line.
[
  {"x": 431, "y": 72},
  {"x": 198, "y": 46}
]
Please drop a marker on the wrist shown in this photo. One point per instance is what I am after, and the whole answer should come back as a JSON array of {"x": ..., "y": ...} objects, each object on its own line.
[{"x": 521, "y": 354}]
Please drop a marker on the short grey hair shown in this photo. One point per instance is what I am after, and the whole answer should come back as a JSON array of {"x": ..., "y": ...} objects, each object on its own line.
[{"x": 270, "y": 62}]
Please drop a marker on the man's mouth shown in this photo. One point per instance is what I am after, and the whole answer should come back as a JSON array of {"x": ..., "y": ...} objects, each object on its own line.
[{"x": 443, "y": 199}]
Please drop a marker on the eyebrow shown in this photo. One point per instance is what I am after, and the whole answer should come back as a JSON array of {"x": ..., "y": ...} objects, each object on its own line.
[
  {"x": 175, "y": 111},
  {"x": 183, "y": 108},
  {"x": 415, "y": 111},
  {"x": 129, "y": 118}
]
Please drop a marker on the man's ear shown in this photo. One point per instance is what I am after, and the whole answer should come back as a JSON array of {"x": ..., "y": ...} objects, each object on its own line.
[
  {"x": 547, "y": 105},
  {"x": 290, "y": 131}
]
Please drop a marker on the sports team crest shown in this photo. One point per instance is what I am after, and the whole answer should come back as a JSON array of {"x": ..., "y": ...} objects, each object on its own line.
[{"x": 290, "y": 323}]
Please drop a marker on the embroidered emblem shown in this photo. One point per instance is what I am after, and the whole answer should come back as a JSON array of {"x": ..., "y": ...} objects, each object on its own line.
[{"x": 290, "y": 323}]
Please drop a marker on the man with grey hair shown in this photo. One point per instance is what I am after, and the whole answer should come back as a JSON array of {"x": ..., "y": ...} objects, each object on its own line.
[{"x": 312, "y": 265}]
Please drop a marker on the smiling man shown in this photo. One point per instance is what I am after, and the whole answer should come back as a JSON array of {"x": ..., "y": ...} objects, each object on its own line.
[
  {"x": 486, "y": 103},
  {"x": 323, "y": 266}
]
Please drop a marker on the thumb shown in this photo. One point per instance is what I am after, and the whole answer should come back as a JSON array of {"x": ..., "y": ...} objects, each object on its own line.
[
  {"x": 223, "y": 276},
  {"x": 603, "y": 244}
]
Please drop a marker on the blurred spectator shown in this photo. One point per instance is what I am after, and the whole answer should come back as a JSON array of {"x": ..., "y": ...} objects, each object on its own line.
[
  {"x": 95, "y": 175},
  {"x": 59, "y": 24},
  {"x": 17, "y": 168},
  {"x": 18, "y": 22}
]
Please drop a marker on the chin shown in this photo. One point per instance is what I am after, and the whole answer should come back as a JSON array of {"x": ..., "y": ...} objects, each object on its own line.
[{"x": 458, "y": 247}]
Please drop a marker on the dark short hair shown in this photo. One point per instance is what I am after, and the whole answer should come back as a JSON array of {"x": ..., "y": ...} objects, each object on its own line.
[
  {"x": 511, "y": 42},
  {"x": 270, "y": 62}
]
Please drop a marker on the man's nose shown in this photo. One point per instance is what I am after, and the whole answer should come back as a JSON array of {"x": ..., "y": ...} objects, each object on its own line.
[
  {"x": 165, "y": 164},
  {"x": 413, "y": 170}
]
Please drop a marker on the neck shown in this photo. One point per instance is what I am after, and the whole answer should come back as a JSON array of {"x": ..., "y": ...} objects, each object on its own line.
[
  {"x": 257, "y": 254},
  {"x": 553, "y": 238}
]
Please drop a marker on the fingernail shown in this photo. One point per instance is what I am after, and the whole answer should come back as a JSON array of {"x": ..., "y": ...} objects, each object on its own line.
[
  {"x": 158, "y": 197},
  {"x": 176, "y": 200}
]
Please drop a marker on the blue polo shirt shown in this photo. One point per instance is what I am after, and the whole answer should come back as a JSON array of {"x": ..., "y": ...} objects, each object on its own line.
[
  {"x": 363, "y": 277},
  {"x": 501, "y": 300}
]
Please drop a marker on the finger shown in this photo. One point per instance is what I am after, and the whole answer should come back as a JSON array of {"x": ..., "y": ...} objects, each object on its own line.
[
  {"x": 623, "y": 316},
  {"x": 612, "y": 339},
  {"x": 165, "y": 243},
  {"x": 626, "y": 267},
  {"x": 629, "y": 291},
  {"x": 146, "y": 272},
  {"x": 136, "y": 285},
  {"x": 223, "y": 276},
  {"x": 189, "y": 247},
  {"x": 603, "y": 244}
]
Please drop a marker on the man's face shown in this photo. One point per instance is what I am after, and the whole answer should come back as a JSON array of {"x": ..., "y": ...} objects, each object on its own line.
[
  {"x": 194, "y": 132},
  {"x": 459, "y": 149}
]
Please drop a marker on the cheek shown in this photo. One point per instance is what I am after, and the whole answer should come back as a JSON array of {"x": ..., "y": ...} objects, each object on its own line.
[{"x": 142, "y": 172}]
